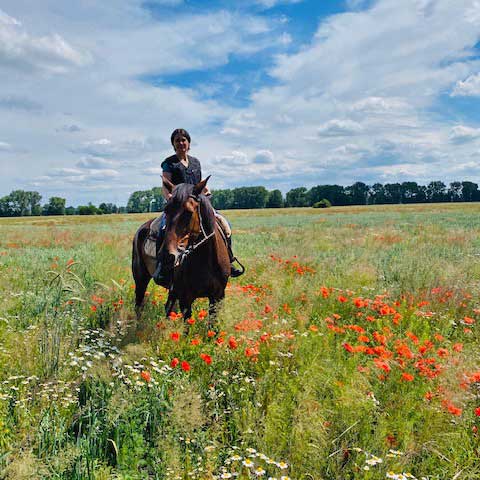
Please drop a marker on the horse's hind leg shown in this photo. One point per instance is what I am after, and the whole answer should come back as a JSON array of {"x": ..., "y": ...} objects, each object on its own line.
[{"x": 141, "y": 284}]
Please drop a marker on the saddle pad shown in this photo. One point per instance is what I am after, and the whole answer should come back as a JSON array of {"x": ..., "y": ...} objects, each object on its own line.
[{"x": 150, "y": 247}]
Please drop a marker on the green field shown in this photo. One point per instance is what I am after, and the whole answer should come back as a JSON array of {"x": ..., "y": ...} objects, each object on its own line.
[{"x": 349, "y": 350}]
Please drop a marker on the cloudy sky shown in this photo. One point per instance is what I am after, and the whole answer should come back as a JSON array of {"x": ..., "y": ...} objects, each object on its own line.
[{"x": 281, "y": 93}]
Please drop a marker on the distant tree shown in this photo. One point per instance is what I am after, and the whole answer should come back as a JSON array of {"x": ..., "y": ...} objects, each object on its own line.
[
  {"x": 87, "y": 209},
  {"x": 455, "y": 192},
  {"x": 393, "y": 193},
  {"x": 357, "y": 193},
  {"x": 411, "y": 192},
  {"x": 436, "y": 191},
  {"x": 55, "y": 206},
  {"x": 275, "y": 199},
  {"x": 122, "y": 210},
  {"x": 159, "y": 202},
  {"x": 5, "y": 207},
  {"x": 297, "y": 197},
  {"x": 107, "y": 208},
  {"x": 139, "y": 202},
  {"x": 222, "y": 199},
  {"x": 470, "y": 192},
  {"x": 377, "y": 194},
  {"x": 250, "y": 197},
  {"x": 334, "y": 193},
  {"x": 70, "y": 211}
]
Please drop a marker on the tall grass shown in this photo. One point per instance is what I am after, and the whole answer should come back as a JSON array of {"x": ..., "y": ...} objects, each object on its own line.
[{"x": 348, "y": 350}]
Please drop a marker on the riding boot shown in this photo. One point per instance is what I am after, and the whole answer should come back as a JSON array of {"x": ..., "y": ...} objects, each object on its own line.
[
  {"x": 161, "y": 276},
  {"x": 234, "y": 271}
]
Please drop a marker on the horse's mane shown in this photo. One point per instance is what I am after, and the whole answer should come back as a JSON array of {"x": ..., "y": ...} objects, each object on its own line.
[{"x": 180, "y": 195}]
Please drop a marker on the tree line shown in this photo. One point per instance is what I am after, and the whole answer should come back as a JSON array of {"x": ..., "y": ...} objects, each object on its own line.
[{"x": 24, "y": 203}]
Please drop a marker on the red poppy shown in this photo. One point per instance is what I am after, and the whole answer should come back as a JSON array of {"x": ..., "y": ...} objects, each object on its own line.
[
  {"x": 202, "y": 314},
  {"x": 175, "y": 336},
  {"x": 407, "y": 377},
  {"x": 146, "y": 376},
  {"x": 185, "y": 366},
  {"x": 191, "y": 321},
  {"x": 206, "y": 358},
  {"x": 232, "y": 343},
  {"x": 477, "y": 411},
  {"x": 175, "y": 361},
  {"x": 211, "y": 334}
]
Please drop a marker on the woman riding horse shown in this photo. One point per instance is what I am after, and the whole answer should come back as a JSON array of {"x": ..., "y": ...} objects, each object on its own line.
[{"x": 177, "y": 169}]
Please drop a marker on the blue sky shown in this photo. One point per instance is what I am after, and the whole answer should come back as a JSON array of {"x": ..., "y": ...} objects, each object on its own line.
[{"x": 280, "y": 93}]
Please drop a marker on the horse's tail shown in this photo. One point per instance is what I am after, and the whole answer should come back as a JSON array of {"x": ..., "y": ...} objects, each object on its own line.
[{"x": 140, "y": 273}]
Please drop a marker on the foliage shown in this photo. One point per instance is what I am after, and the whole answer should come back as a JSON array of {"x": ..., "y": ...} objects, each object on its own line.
[
  {"x": 324, "y": 203},
  {"x": 55, "y": 206}
]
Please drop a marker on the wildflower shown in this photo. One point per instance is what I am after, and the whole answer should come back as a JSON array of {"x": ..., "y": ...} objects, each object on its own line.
[
  {"x": 468, "y": 320},
  {"x": 248, "y": 463},
  {"x": 282, "y": 465},
  {"x": 202, "y": 314},
  {"x": 206, "y": 358},
  {"x": 146, "y": 376},
  {"x": 259, "y": 471},
  {"x": 232, "y": 343},
  {"x": 236, "y": 458},
  {"x": 407, "y": 377},
  {"x": 93, "y": 308},
  {"x": 175, "y": 336},
  {"x": 348, "y": 347},
  {"x": 185, "y": 366},
  {"x": 342, "y": 299},
  {"x": 174, "y": 362},
  {"x": 191, "y": 321},
  {"x": 442, "y": 352},
  {"x": 457, "y": 347},
  {"x": 477, "y": 411},
  {"x": 373, "y": 461},
  {"x": 226, "y": 475},
  {"x": 211, "y": 334},
  {"x": 195, "y": 342}
]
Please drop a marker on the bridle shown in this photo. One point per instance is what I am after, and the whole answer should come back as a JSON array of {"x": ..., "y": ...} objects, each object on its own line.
[{"x": 183, "y": 255}]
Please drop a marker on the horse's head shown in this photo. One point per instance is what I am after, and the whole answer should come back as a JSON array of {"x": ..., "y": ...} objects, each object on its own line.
[{"x": 189, "y": 215}]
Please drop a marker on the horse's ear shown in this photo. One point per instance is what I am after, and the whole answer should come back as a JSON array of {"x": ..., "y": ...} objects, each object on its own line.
[
  {"x": 168, "y": 184},
  {"x": 198, "y": 188}
]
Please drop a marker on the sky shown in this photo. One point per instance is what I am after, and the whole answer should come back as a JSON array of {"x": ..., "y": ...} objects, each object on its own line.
[{"x": 279, "y": 93}]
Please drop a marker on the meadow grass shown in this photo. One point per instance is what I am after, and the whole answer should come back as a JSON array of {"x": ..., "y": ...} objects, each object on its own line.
[{"x": 348, "y": 350}]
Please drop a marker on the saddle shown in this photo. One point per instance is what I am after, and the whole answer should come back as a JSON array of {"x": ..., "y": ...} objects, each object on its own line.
[{"x": 150, "y": 246}]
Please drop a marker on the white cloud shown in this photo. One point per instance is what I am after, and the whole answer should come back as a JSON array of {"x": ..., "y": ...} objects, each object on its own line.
[
  {"x": 21, "y": 51},
  {"x": 5, "y": 147},
  {"x": 339, "y": 128},
  {"x": 272, "y": 3},
  {"x": 95, "y": 163},
  {"x": 463, "y": 134},
  {"x": 470, "y": 87},
  {"x": 263, "y": 157}
]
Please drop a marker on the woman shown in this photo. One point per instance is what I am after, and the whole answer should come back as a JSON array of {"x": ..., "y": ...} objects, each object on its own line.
[{"x": 183, "y": 168}]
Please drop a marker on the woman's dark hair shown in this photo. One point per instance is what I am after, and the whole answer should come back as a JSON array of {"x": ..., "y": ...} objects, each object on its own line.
[{"x": 182, "y": 132}]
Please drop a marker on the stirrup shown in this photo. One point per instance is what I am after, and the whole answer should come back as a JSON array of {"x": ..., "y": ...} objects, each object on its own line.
[{"x": 234, "y": 271}]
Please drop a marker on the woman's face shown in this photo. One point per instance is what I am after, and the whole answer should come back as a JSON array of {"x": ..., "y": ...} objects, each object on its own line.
[{"x": 181, "y": 144}]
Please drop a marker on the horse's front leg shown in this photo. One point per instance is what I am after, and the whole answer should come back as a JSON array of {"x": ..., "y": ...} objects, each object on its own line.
[
  {"x": 214, "y": 304},
  {"x": 170, "y": 304}
]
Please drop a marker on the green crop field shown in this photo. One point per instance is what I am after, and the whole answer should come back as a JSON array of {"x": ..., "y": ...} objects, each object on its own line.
[{"x": 349, "y": 350}]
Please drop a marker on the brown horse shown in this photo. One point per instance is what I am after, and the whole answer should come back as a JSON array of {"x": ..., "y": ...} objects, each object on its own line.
[{"x": 194, "y": 248}]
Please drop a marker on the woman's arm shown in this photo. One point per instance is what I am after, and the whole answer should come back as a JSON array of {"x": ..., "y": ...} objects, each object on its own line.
[{"x": 165, "y": 192}]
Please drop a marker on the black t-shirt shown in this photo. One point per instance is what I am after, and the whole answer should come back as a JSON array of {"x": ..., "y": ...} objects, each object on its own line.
[{"x": 181, "y": 174}]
